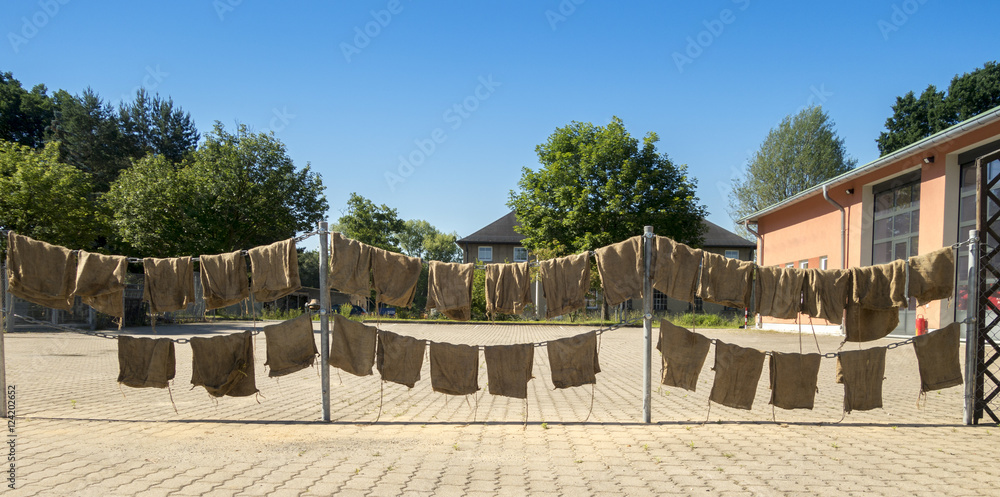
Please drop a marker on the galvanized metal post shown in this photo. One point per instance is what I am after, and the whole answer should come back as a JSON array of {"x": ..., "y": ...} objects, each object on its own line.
[
  {"x": 8, "y": 308},
  {"x": 972, "y": 329},
  {"x": 647, "y": 323},
  {"x": 324, "y": 318}
]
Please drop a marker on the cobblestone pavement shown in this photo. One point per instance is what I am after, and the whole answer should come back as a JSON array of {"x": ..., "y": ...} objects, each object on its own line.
[{"x": 78, "y": 433}]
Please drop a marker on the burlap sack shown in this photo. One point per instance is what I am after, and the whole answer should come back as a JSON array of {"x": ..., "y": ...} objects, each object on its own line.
[
  {"x": 737, "y": 371},
  {"x": 394, "y": 277},
  {"x": 565, "y": 281},
  {"x": 825, "y": 293},
  {"x": 352, "y": 346},
  {"x": 861, "y": 372},
  {"x": 726, "y": 281},
  {"x": 865, "y": 325},
  {"x": 224, "y": 279},
  {"x": 793, "y": 380},
  {"x": 937, "y": 358},
  {"x": 350, "y": 266},
  {"x": 274, "y": 270},
  {"x": 683, "y": 355},
  {"x": 224, "y": 364},
  {"x": 881, "y": 286},
  {"x": 291, "y": 346},
  {"x": 39, "y": 272},
  {"x": 454, "y": 368},
  {"x": 449, "y": 289},
  {"x": 675, "y": 268},
  {"x": 779, "y": 291},
  {"x": 621, "y": 278},
  {"x": 169, "y": 283},
  {"x": 508, "y": 288},
  {"x": 573, "y": 361},
  {"x": 100, "y": 282},
  {"x": 932, "y": 276},
  {"x": 399, "y": 358},
  {"x": 145, "y": 362},
  {"x": 508, "y": 369}
]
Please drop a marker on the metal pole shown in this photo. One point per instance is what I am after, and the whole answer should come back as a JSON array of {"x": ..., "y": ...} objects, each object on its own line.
[
  {"x": 8, "y": 307},
  {"x": 972, "y": 329},
  {"x": 324, "y": 318},
  {"x": 647, "y": 322}
]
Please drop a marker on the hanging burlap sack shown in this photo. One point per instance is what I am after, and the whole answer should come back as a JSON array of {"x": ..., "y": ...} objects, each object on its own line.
[
  {"x": 449, "y": 289},
  {"x": 565, "y": 281},
  {"x": 350, "y": 266},
  {"x": 224, "y": 364},
  {"x": 39, "y": 272},
  {"x": 865, "y": 325},
  {"x": 394, "y": 277},
  {"x": 861, "y": 372},
  {"x": 399, "y": 358},
  {"x": 621, "y": 278},
  {"x": 825, "y": 293},
  {"x": 352, "y": 346},
  {"x": 274, "y": 270},
  {"x": 145, "y": 362},
  {"x": 291, "y": 346},
  {"x": 793, "y": 380},
  {"x": 100, "y": 282},
  {"x": 573, "y": 361},
  {"x": 683, "y": 355},
  {"x": 737, "y": 371},
  {"x": 675, "y": 268},
  {"x": 169, "y": 283},
  {"x": 454, "y": 368},
  {"x": 508, "y": 288},
  {"x": 779, "y": 291},
  {"x": 938, "y": 358},
  {"x": 726, "y": 281},
  {"x": 881, "y": 286},
  {"x": 224, "y": 279},
  {"x": 932, "y": 276},
  {"x": 508, "y": 369}
]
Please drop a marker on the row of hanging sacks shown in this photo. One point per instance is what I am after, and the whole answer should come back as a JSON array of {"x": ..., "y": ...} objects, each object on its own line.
[
  {"x": 51, "y": 276},
  {"x": 794, "y": 377},
  {"x": 357, "y": 268}
]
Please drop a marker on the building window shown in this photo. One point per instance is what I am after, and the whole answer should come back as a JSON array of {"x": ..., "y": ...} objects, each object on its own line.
[
  {"x": 486, "y": 254},
  {"x": 520, "y": 254},
  {"x": 790, "y": 264},
  {"x": 659, "y": 300},
  {"x": 803, "y": 264},
  {"x": 733, "y": 254},
  {"x": 897, "y": 219},
  {"x": 822, "y": 262}
]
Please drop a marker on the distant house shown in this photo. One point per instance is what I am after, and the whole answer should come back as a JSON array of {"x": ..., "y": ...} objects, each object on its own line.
[{"x": 498, "y": 242}]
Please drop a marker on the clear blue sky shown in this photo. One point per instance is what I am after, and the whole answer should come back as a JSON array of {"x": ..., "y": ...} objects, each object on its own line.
[{"x": 351, "y": 104}]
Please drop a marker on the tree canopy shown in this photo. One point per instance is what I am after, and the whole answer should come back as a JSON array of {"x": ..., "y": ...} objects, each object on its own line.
[
  {"x": 420, "y": 239},
  {"x": 914, "y": 118},
  {"x": 597, "y": 186},
  {"x": 375, "y": 225},
  {"x": 803, "y": 151}
]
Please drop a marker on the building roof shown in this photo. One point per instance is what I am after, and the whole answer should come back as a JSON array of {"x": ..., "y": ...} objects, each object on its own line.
[
  {"x": 499, "y": 231},
  {"x": 502, "y": 231},
  {"x": 717, "y": 236},
  {"x": 988, "y": 117}
]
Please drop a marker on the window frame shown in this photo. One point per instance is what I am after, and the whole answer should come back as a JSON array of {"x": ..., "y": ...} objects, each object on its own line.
[
  {"x": 516, "y": 259},
  {"x": 736, "y": 252},
  {"x": 479, "y": 254}
]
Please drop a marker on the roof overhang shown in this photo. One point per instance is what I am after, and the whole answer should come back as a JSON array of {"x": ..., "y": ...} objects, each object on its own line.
[{"x": 988, "y": 117}]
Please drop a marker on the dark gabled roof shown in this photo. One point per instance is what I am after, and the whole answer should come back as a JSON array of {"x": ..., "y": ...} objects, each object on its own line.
[
  {"x": 502, "y": 231},
  {"x": 499, "y": 231},
  {"x": 717, "y": 236}
]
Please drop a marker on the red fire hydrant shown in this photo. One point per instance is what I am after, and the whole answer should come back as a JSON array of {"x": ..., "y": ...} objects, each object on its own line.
[{"x": 921, "y": 325}]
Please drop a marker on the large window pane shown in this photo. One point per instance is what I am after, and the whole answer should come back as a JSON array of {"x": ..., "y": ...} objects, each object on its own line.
[
  {"x": 902, "y": 251},
  {"x": 967, "y": 209},
  {"x": 968, "y": 179},
  {"x": 882, "y": 253},
  {"x": 883, "y": 228},
  {"x": 914, "y": 246},
  {"x": 915, "y": 196},
  {"x": 901, "y": 224},
  {"x": 915, "y": 222},
  {"x": 883, "y": 203},
  {"x": 903, "y": 198}
]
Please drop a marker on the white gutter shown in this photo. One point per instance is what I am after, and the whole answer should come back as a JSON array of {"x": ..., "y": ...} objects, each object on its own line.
[{"x": 843, "y": 225}]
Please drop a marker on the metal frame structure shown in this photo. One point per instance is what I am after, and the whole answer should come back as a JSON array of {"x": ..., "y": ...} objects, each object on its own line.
[{"x": 982, "y": 349}]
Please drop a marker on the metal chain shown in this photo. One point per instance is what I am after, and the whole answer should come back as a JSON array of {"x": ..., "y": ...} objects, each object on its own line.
[{"x": 101, "y": 334}]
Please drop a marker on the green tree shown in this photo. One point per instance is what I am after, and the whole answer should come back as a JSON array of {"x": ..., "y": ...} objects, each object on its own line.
[
  {"x": 420, "y": 239},
  {"x": 24, "y": 114},
  {"x": 598, "y": 186},
  {"x": 376, "y": 225},
  {"x": 90, "y": 136},
  {"x": 309, "y": 268},
  {"x": 45, "y": 199},
  {"x": 152, "y": 125},
  {"x": 801, "y": 152},
  {"x": 239, "y": 190},
  {"x": 916, "y": 118}
]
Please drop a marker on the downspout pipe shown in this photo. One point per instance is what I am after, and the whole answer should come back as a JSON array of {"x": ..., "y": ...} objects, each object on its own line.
[
  {"x": 843, "y": 225},
  {"x": 756, "y": 254},
  {"x": 756, "y": 259}
]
